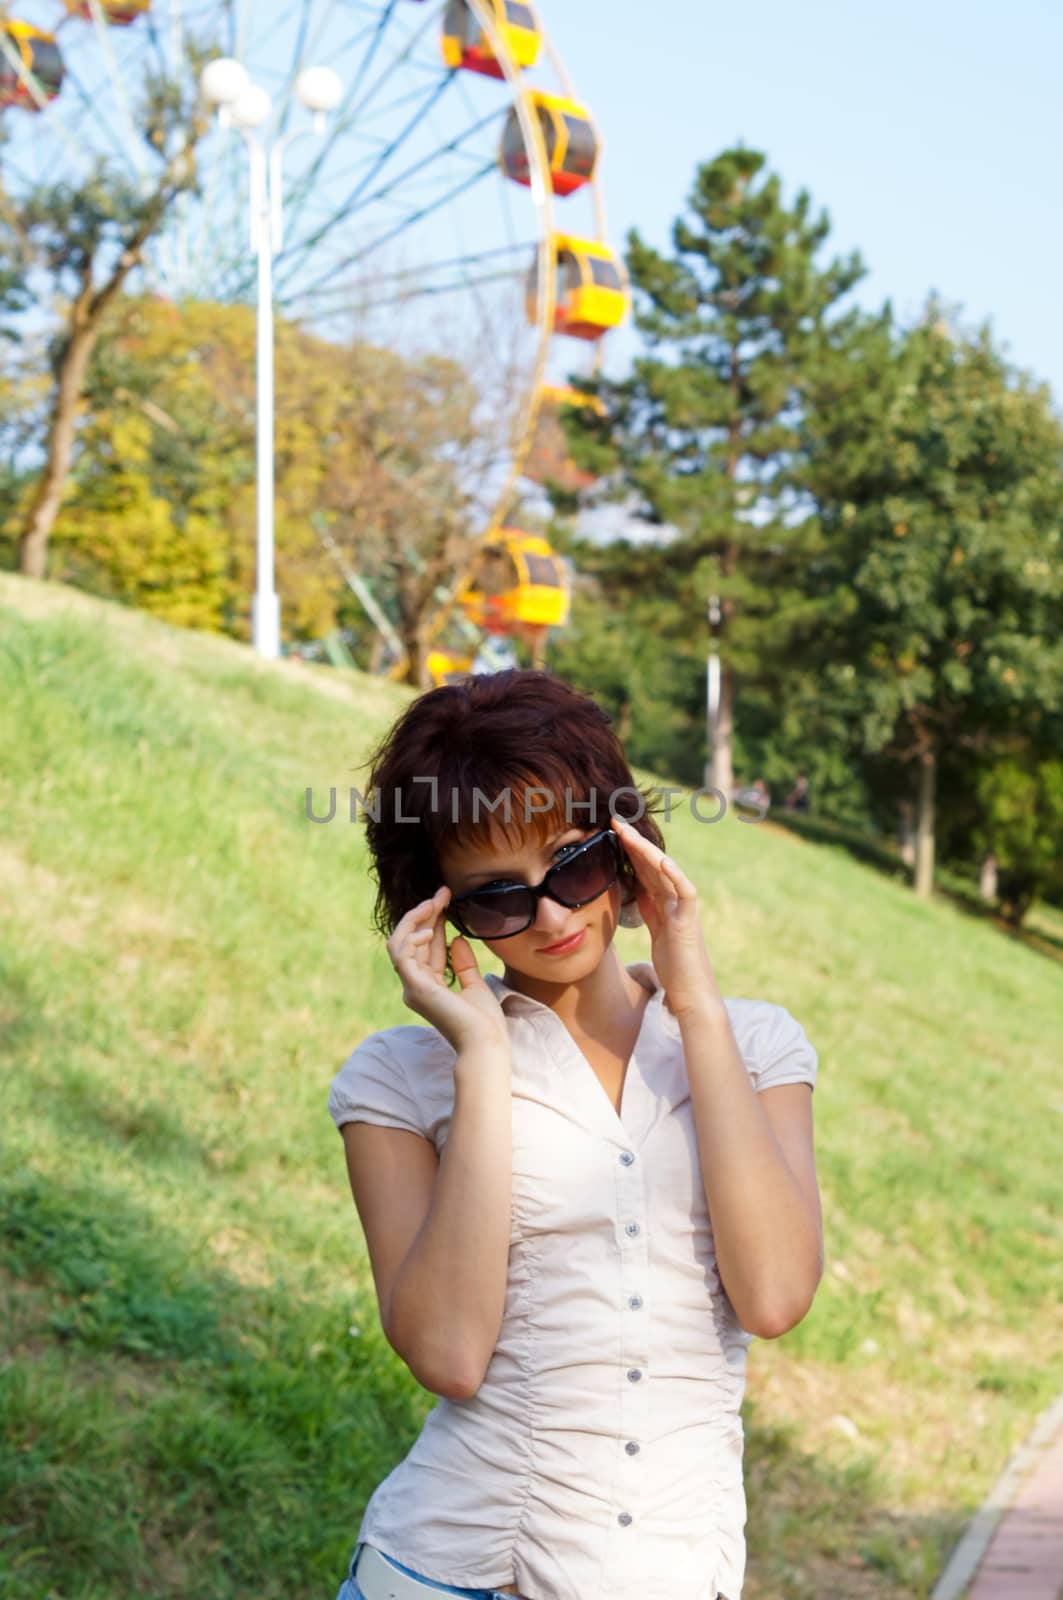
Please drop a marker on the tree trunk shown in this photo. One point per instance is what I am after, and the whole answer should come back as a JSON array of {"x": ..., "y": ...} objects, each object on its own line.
[
  {"x": 48, "y": 495},
  {"x": 924, "y": 843},
  {"x": 905, "y": 832},
  {"x": 987, "y": 883},
  {"x": 86, "y": 315},
  {"x": 416, "y": 659},
  {"x": 720, "y": 766}
]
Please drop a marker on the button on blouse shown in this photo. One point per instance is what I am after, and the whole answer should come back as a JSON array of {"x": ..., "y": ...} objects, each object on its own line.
[{"x": 601, "y": 1457}]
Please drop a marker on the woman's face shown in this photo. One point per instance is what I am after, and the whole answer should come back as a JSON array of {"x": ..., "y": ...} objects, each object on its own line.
[{"x": 468, "y": 867}]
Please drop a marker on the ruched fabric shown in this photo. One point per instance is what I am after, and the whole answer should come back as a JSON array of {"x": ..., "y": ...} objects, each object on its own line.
[{"x": 601, "y": 1457}]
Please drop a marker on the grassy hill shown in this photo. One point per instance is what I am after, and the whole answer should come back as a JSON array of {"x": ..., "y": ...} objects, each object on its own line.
[{"x": 195, "y": 1396}]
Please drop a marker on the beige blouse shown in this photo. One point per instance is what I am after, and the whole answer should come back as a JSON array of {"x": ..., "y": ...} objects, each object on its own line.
[{"x": 601, "y": 1458}]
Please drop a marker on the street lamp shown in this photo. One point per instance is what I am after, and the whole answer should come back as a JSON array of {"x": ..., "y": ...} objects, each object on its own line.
[
  {"x": 712, "y": 690},
  {"x": 247, "y": 107}
]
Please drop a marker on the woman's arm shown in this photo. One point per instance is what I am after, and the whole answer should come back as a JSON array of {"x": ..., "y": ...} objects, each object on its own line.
[
  {"x": 760, "y": 1185},
  {"x": 759, "y": 1176},
  {"x": 443, "y": 1308},
  {"x": 446, "y": 1306}
]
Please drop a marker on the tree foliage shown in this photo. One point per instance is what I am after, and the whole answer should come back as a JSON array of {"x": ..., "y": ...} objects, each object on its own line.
[
  {"x": 161, "y": 509},
  {"x": 938, "y": 474},
  {"x": 703, "y": 434},
  {"x": 69, "y": 246}
]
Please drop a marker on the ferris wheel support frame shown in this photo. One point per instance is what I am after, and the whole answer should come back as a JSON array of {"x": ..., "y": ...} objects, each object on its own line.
[{"x": 542, "y": 192}]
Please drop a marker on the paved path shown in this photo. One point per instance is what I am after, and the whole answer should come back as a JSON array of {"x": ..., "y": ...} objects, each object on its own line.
[{"x": 1013, "y": 1549}]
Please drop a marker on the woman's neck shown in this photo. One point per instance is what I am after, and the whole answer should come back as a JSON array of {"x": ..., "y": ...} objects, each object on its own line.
[{"x": 603, "y": 996}]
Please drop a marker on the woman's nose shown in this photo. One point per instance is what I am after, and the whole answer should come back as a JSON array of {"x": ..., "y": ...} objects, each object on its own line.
[{"x": 552, "y": 916}]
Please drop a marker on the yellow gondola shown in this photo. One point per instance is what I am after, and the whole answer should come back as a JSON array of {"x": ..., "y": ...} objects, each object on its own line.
[
  {"x": 446, "y": 667},
  {"x": 591, "y": 297},
  {"x": 518, "y": 583},
  {"x": 549, "y": 460},
  {"x": 466, "y": 45},
  {"x": 563, "y": 394},
  {"x": 40, "y": 56},
  {"x": 571, "y": 143},
  {"x": 119, "y": 13}
]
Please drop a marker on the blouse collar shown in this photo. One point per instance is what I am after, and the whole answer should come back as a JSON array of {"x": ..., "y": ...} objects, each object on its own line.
[{"x": 513, "y": 1001}]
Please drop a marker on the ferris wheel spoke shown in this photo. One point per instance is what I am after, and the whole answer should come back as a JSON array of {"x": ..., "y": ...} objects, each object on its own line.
[
  {"x": 391, "y": 106},
  {"x": 440, "y": 154},
  {"x": 393, "y": 233},
  {"x": 243, "y": 27},
  {"x": 430, "y": 290},
  {"x": 459, "y": 263},
  {"x": 305, "y": 48},
  {"x": 371, "y": 54},
  {"x": 35, "y": 90},
  {"x": 349, "y": 110},
  {"x": 403, "y": 58},
  {"x": 156, "y": 44},
  {"x": 339, "y": 127},
  {"x": 99, "y": 22},
  {"x": 91, "y": 108},
  {"x": 381, "y": 161}
]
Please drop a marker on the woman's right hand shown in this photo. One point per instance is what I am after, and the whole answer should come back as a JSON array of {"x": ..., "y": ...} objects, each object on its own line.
[{"x": 418, "y": 950}]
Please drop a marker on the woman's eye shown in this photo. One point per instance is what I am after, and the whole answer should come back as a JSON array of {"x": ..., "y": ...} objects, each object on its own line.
[{"x": 573, "y": 844}]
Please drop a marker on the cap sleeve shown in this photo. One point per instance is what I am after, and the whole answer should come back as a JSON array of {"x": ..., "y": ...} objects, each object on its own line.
[
  {"x": 372, "y": 1086},
  {"x": 783, "y": 1053}
]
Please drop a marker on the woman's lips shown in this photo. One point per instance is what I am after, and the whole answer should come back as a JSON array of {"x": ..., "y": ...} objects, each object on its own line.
[{"x": 562, "y": 949}]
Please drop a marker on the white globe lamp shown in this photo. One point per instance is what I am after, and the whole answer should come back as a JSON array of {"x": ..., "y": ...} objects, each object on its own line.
[
  {"x": 223, "y": 81},
  {"x": 319, "y": 89}
]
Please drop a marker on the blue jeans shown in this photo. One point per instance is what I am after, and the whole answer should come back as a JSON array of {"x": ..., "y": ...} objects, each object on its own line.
[{"x": 349, "y": 1589}]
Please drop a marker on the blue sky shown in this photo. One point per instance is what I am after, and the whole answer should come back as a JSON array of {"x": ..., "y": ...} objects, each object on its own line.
[{"x": 931, "y": 133}]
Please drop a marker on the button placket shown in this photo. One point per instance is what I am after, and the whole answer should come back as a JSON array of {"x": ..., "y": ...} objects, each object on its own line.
[{"x": 632, "y": 1373}]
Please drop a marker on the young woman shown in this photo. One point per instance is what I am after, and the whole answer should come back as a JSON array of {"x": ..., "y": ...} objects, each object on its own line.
[{"x": 584, "y": 1186}]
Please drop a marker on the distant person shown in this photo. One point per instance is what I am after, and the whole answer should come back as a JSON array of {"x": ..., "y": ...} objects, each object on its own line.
[
  {"x": 756, "y": 795},
  {"x": 799, "y": 798},
  {"x": 523, "y": 1153}
]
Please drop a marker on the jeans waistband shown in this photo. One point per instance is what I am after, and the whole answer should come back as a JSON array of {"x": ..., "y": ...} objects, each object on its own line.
[{"x": 430, "y": 1585}]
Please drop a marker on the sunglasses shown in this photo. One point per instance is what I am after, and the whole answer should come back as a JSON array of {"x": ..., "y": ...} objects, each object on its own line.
[{"x": 499, "y": 911}]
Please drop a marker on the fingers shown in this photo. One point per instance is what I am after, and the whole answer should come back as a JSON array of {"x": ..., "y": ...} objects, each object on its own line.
[
  {"x": 656, "y": 872},
  {"x": 439, "y": 932},
  {"x": 464, "y": 962},
  {"x": 422, "y": 918},
  {"x": 420, "y": 938}
]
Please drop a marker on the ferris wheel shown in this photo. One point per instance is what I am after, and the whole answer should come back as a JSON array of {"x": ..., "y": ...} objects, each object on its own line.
[{"x": 452, "y": 202}]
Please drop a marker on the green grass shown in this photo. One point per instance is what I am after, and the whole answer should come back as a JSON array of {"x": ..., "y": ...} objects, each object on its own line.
[{"x": 195, "y": 1396}]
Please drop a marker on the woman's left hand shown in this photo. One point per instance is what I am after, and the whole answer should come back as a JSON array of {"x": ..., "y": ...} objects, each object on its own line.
[{"x": 668, "y": 902}]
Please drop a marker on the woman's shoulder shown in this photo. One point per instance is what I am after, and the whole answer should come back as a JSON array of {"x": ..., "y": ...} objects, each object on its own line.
[
  {"x": 389, "y": 1077},
  {"x": 772, "y": 1043}
]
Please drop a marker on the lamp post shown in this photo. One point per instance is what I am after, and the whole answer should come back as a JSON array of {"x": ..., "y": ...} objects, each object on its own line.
[
  {"x": 712, "y": 690},
  {"x": 247, "y": 107}
]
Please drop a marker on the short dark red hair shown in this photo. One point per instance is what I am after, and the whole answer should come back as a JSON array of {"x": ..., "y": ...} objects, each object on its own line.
[{"x": 513, "y": 730}]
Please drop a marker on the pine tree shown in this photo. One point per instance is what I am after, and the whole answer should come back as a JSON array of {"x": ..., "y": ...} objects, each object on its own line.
[{"x": 704, "y": 431}]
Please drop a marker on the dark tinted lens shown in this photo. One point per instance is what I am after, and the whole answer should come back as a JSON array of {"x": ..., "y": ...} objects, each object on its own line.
[
  {"x": 495, "y": 916},
  {"x": 582, "y": 879}
]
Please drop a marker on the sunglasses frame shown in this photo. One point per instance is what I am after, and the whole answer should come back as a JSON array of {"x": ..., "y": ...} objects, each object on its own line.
[{"x": 538, "y": 890}]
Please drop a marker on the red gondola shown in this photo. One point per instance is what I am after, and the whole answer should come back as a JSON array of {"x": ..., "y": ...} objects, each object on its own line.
[
  {"x": 41, "y": 61},
  {"x": 119, "y": 13},
  {"x": 466, "y": 45},
  {"x": 569, "y": 136}
]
